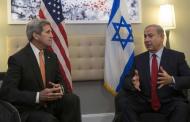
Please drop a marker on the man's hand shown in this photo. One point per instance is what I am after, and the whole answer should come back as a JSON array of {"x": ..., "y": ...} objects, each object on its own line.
[
  {"x": 57, "y": 86},
  {"x": 135, "y": 81},
  {"x": 163, "y": 78},
  {"x": 50, "y": 94}
]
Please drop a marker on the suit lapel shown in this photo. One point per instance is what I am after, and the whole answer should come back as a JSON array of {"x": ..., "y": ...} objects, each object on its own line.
[
  {"x": 47, "y": 65},
  {"x": 147, "y": 64},
  {"x": 163, "y": 61},
  {"x": 34, "y": 65}
]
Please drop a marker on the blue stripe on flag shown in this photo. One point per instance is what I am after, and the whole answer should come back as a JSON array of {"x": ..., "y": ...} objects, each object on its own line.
[
  {"x": 125, "y": 72},
  {"x": 115, "y": 7}
]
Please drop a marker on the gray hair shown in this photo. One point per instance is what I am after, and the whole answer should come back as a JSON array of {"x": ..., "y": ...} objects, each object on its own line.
[
  {"x": 159, "y": 28},
  {"x": 35, "y": 25}
]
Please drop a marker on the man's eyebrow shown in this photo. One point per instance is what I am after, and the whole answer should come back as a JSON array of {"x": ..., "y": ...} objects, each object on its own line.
[{"x": 48, "y": 31}]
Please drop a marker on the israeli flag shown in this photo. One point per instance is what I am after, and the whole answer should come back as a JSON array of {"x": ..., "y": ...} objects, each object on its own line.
[{"x": 119, "y": 50}]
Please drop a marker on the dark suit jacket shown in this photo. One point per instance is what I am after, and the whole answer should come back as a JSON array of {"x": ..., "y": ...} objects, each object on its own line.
[
  {"x": 174, "y": 63},
  {"x": 23, "y": 79}
]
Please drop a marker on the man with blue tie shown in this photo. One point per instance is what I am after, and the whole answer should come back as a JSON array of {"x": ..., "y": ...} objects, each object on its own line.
[
  {"x": 33, "y": 83},
  {"x": 156, "y": 82}
]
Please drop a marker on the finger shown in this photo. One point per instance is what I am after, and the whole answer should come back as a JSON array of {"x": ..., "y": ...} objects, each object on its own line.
[
  {"x": 54, "y": 85},
  {"x": 62, "y": 92},
  {"x": 161, "y": 74},
  {"x": 57, "y": 85},
  {"x": 136, "y": 72},
  {"x": 161, "y": 78},
  {"x": 53, "y": 98},
  {"x": 160, "y": 82},
  {"x": 138, "y": 89},
  {"x": 136, "y": 76},
  {"x": 162, "y": 69},
  {"x": 54, "y": 89},
  {"x": 51, "y": 83},
  {"x": 160, "y": 86},
  {"x": 54, "y": 94},
  {"x": 134, "y": 79}
]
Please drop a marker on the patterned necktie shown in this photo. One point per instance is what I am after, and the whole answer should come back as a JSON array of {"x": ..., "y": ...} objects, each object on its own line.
[
  {"x": 155, "y": 102},
  {"x": 42, "y": 67}
]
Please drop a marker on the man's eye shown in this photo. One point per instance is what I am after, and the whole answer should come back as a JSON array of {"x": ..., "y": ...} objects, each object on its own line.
[{"x": 48, "y": 32}]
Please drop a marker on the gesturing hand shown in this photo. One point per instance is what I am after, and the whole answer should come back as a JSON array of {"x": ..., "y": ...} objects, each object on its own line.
[
  {"x": 135, "y": 81},
  {"x": 50, "y": 94},
  {"x": 163, "y": 78}
]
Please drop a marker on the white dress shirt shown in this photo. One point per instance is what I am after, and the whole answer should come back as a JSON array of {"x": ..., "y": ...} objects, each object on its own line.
[
  {"x": 158, "y": 57},
  {"x": 36, "y": 53}
]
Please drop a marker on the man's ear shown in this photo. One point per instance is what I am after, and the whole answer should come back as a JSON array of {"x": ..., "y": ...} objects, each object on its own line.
[
  {"x": 162, "y": 35},
  {"x": 35, "y": 36}
]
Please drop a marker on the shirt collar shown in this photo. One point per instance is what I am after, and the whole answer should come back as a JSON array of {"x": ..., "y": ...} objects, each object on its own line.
[
  {"x": 34, "y": 48},
  {"x": 158, "y": 53}
]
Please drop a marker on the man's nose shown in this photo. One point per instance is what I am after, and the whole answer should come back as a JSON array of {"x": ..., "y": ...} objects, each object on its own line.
[{"x": 146, "y": 39}]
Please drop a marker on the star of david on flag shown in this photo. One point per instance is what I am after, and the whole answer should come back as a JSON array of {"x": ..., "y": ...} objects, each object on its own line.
[
  {"x": 119, "y": 47},
  {"x": 123, "y": 32}
]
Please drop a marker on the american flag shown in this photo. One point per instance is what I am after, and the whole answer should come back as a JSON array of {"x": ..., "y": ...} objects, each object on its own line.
[{"x": 52, "y": 11}]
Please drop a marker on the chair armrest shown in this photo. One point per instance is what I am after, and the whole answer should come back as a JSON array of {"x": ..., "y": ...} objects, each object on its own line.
[{"x": 12, "y": 109}]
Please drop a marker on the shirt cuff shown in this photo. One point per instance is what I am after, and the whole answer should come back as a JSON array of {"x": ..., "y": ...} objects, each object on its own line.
[
  {"x": 173, "y": 82},
  {"x": 37, "y": 97}
]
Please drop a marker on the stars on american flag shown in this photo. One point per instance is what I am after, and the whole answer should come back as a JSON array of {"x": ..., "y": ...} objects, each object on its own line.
[
  {"x": 55, "y": 10},
  {"x": 52, "y": 11}
]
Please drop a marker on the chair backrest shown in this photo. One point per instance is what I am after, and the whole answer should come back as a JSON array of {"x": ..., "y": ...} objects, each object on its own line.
[
  {"x": 2, "y": 75},
  {"x": 8, "y": 113},
  {"x": 86, "y": 55}
]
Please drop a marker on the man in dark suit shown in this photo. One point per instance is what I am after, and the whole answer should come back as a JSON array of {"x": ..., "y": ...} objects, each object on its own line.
[
  {"x": 33, "y": 83},
  {"x": 156, "y": 82}
]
